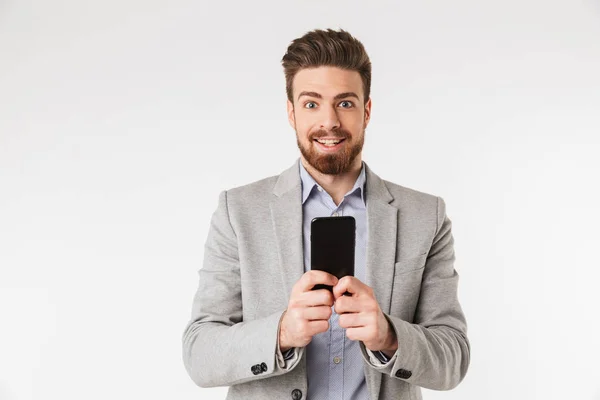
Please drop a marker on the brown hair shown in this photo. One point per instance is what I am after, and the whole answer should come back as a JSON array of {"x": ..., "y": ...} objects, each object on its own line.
[{"x": 326, "y": 48}]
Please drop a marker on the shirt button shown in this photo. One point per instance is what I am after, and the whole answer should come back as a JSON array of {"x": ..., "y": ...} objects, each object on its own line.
[
  {"x": 337, "y": 360},
  {"x": 335, "y": 214},
  {"x": 319, "y": 188}
]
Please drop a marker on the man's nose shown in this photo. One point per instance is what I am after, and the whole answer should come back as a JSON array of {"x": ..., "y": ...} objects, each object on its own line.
[{"x": 330, "y": 120}]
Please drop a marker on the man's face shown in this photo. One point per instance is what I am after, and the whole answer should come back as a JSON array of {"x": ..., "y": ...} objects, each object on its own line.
[{"x": 329, "y": 116}]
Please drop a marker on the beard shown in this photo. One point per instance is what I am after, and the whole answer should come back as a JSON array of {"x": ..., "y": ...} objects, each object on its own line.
[{"x": 335, "y": 163}]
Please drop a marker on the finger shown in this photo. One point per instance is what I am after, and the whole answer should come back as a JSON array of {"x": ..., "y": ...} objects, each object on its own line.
[
  {"x": 350, "y": 284},
  {"x": 351, "y": 320},
  {"x": 321, "y": 297},
  {"x": 317, "y": 313},
  {"x": 347, "y": 304},
  {"x": 315, "y": 277},
  {"x": 360, "y": 333},
  {"x": 317, "y": 326}
]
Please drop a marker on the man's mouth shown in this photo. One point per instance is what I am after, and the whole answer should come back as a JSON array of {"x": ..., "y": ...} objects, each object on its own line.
[{"x": 329, "y": 142}]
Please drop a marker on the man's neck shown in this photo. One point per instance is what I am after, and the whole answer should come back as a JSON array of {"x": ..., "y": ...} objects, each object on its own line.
[{"x": 336, "y": 185}]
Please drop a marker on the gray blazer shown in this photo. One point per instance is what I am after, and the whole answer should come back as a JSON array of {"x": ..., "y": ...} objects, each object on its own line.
[{"x": 253, "y": 256}]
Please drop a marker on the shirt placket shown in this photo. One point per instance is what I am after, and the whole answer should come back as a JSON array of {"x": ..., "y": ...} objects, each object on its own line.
[
  {"x": 336, "y": 358},
  {"x": 337, "y": 334}
]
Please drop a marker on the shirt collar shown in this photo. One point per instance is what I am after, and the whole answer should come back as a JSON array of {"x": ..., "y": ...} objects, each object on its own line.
[{"x": 309, "y": 183}]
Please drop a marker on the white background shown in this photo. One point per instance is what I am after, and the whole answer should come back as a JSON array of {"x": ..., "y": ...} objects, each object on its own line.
[{"x": 121, "y": 121}]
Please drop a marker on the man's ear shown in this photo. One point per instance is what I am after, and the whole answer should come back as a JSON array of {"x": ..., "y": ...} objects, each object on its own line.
[
  {"x": 291, "y": 116},
  {"x": 367, "y": 112}
]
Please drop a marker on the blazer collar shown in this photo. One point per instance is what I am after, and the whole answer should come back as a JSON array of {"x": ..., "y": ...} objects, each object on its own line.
[{"x": 289, "y": 180}]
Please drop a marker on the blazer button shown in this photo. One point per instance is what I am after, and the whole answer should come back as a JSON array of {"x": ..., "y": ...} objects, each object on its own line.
[
  {"x": 296, "y": 394},
  {"x": 402, "y": 373},
  {"x": 263, "y": 367},
  {"x": 256, "y": 369}
]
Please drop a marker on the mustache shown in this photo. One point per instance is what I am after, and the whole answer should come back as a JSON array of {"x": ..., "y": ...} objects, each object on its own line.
[{"x": 338, "y": 134}]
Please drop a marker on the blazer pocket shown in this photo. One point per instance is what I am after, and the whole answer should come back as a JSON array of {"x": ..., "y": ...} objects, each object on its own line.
[{"x": 410, "y": 264}]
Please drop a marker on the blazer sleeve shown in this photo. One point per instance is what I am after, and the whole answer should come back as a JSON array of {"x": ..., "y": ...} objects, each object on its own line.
[
  {"x": 219, "y": 348},
  {"x": 433, "y": 350}
]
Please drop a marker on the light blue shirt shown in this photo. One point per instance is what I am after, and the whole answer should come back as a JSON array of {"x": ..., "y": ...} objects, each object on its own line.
[{"x": 334, "y": 362}]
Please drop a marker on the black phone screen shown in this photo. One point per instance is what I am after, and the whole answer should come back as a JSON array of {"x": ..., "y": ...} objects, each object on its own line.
[{"x": 332, "y": 241}]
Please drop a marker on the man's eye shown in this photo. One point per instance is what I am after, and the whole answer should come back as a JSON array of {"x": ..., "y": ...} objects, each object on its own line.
[
  {"x": 346, "y": 104},
  {"x": 310, "y": 104}
]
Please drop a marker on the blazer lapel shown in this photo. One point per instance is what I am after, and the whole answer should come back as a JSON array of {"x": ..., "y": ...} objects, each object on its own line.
[
  {"x": 286, "y": 215},
  {"x": 382, "y": 228}
]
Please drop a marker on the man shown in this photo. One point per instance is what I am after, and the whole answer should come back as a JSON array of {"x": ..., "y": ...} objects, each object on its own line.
[{"x": 256, "y": 324}]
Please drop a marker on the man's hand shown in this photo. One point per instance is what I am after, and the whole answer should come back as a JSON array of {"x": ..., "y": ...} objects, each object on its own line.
[
  {"x": 308, "y": 310},
  {"x": 361, "y": 316}
]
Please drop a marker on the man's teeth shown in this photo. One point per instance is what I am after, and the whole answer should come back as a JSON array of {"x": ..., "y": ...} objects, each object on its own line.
[{"x": 329, "y": 142}]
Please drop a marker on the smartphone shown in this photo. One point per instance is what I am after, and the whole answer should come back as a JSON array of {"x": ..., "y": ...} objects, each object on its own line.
[{"x": 332, "y": 241}]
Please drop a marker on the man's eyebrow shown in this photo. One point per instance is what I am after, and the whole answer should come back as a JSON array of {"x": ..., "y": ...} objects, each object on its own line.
[{"x": 337, "y": 96}]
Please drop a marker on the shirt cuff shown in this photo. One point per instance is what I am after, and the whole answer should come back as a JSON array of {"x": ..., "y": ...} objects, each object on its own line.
[
  {"x": 288, "y": 354},
  {"x": 289, "y": 359},
  {"x": 379, "y": 359},
  {"x": 381, "y": 356}
]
